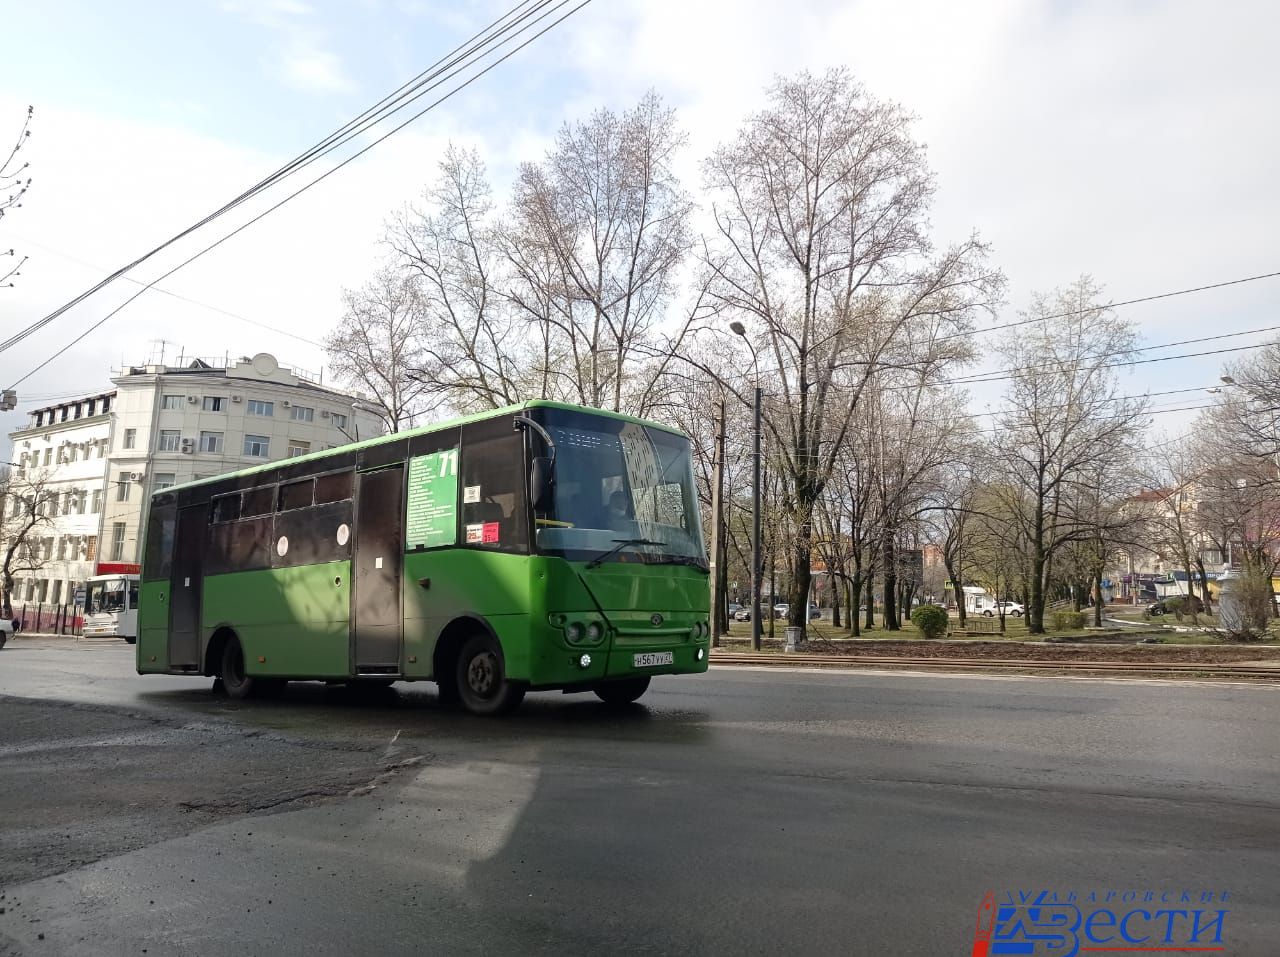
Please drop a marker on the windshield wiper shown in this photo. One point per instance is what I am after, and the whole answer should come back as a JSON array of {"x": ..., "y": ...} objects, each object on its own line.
[
  {"x": 683, "y": 560},
  {"x": 622, "y": 543}
]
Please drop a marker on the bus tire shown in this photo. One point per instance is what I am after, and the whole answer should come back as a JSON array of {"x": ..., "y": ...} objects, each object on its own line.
[
  {"x": 482, "y": 680},
  {"x": 235, "y": 683},
  {"x": 623, "y": 691}
]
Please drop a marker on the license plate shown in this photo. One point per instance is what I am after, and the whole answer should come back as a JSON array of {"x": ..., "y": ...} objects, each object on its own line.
[{"x": 652, "y": 659}]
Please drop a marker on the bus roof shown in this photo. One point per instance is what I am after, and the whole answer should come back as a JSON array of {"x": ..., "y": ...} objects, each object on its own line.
[{"x": 423, "y": 430}]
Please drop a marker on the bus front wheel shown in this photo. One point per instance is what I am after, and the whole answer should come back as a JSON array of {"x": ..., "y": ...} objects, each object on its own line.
[
  {"x": 235, "y": 682},
  {"x": 482, "y": 683},
  {"x": 623, "y": 691}
]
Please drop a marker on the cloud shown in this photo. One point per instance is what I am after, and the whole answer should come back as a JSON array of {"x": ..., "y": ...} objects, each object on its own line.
[{"x": 314, "y": 70}]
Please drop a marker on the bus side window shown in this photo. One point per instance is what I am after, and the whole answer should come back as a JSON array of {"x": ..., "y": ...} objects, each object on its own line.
[
  {"x": 133, "y": 594},
  {"x": 493, "y": 491},
  {"x": 158, "y": 557}
]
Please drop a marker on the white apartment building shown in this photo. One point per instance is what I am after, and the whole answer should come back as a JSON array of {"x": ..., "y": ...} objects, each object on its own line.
[
  {"x": 65, "y": 448},
  {"x": 161, "y": 426}
]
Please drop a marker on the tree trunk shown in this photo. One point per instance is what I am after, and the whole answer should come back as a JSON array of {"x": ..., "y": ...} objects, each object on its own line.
[
  {"x": 1035, "y": 606},
  {"x": 853, "y": 600},
  {"x": 1097, "y": 601},
  {"x": 801, "y": 578},
  {"x": 871, "y": 600},
  {"x": 890, "y": 589},
  {"x": 835, "y": 602},
  {"x": 1204, "y": 587}
]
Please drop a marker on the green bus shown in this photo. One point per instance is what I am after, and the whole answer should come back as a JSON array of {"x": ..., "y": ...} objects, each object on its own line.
[{"x": 540, "y": 546}]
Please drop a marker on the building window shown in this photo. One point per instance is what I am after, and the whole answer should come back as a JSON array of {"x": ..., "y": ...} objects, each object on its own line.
[
  {"x": 170, "y": 440},
  {"x": 122, "y": 487},
  {"x": 261, "y": 407},
  {"x": 92, "y": 404},
  {"x": 213, "y": 403},
  {"x": 171, "y": 402},
  {"x": 62, "y": 548},
  {"x": 102, "y": 447},
  {"x": 297, "y": 448},
  {"x": 256, "y": 446},
  {"x": 117, "y": 541},
  {"x": 166, "y": 479},
  {"x": 106, "y": 404},
  {"x": 90, "y": 548},
  {"x": 210, "y": 441},
  {"x": 130, "y": 438},
  {"x": 96, "y": 507},
  {"x": 339, "y": 420},
  {"x": 48, "y": 457},
  {"x": 302, "y": 413},
  {"x": 65, "y": 412}
]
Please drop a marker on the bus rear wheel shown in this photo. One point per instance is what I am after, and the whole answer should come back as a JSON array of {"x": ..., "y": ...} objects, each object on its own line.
[
  {"x": 482, "y": 683},
  {"x": 623, "y": 691},
  {"x": 235, "y": 682}
]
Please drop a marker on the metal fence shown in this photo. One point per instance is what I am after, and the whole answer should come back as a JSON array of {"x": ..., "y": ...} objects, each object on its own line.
[{"x": 48, "y": 619}]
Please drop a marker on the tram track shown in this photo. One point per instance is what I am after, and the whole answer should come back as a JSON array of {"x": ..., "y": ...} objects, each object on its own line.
[{"x": 1000, "y": 665}]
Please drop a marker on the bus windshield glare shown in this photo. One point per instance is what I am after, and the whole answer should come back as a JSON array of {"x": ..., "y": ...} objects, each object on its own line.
[
  {"x": 620, "y": 482},
  {"x": 108, "y": 596}
]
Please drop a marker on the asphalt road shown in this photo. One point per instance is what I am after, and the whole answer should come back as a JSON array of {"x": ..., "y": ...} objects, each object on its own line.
[{"x": 744, "y": 812}]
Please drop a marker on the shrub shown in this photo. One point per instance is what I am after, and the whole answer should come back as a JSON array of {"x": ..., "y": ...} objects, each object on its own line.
[
  {"x": 931, "y": 620},
  {"x": 1176, "y": 605},
  {"x": 1068, "y": 620}
]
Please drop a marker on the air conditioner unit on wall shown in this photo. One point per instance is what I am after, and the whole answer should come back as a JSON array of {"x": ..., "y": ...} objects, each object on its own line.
[
  {"x": 235, "y": 398},
  {"x": 324, "y": 413},
  {"x": 188, "y": 446},
  {"x": 285, "y": 404},
  {"x": 135, "y": 476}
]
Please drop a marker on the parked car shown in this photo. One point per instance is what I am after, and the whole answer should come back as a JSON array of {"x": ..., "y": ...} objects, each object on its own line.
[
  {"x": 1161, "y": 605},
  {"x": 734, "y": 608},
  {"x": 8, "y": 626},
  {"x": 743, "y": 613},
  {"x": 781, "y": 610},
  {"x": 1011, "y": 609},
  {"x": 814, "y": 612}
]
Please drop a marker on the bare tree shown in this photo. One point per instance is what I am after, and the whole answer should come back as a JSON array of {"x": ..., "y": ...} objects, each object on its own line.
[
  {"x": 378, "y": 346},
  {"x": 27, "y": 508},
  {"x": 13, "y": 183},
  {"x": 599, "y": 229},
  {"x": 472, "y": 352},
  {"x": 1066, "y": 417},
  {"x": 821, "y": 247}
]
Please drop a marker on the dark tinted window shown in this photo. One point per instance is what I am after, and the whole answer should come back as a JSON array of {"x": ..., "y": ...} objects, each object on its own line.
[
  {"x": 227, "y": 508},
  {"x": 159, "y": 554},
  {"x": 257, "y": 502},
  {"x": 296, "y": 495},
  {"x": 493, "y": 488},
  {"x": 333, "y": 488}
]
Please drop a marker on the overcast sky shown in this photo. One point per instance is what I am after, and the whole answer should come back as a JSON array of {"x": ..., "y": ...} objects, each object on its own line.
[{"x": 1135, "y": 141}]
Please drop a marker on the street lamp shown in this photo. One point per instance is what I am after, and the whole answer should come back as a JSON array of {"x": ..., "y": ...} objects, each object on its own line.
[{"x": 756, "y": 570}]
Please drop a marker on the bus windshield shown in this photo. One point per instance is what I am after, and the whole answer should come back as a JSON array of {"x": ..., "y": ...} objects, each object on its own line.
[
  {"x": 109, "y": 596},
  {"x": 620, "y": 488}
]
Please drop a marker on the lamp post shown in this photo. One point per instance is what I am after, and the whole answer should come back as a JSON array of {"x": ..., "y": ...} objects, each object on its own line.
[{"x": 756, "y": 570}]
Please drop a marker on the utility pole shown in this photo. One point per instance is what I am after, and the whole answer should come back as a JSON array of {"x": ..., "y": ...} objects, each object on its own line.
[
  {"x": 757, "y": 566},
  {"x": 718, "y": 572}
]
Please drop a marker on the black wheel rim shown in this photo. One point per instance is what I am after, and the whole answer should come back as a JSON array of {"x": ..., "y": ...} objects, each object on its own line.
[{"x": 482, "y": 674}]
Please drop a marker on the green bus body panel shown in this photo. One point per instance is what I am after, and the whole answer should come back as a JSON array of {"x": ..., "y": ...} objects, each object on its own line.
[
  {"x": 152, "y": 647},
  {"x": 297, "y": 618}
]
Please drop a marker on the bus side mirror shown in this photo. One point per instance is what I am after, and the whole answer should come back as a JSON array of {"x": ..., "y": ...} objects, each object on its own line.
[{"x": 540, "y": 484}]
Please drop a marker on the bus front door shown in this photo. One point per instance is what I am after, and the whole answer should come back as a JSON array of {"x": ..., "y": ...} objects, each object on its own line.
[
  {"x": 185, "y": 587},
  {"x": 376, "y": 619}
]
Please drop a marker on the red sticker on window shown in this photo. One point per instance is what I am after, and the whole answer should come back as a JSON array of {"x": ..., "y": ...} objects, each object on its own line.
[{"x": 490, "y": 533}]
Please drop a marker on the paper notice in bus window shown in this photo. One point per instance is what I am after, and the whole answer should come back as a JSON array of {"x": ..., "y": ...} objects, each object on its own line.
[
  {"x": 490, "y": 533},
  {"x": 475, "y": 534},
  {"x": 470, "y": 494},
  {"x": 431, "y": 513}
]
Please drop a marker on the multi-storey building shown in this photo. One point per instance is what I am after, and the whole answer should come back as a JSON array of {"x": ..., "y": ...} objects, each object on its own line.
[{"x": 161, "y": 426}]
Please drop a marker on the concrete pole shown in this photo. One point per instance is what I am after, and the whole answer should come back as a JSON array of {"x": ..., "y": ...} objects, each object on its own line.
[{"x": 717, "y": 531}]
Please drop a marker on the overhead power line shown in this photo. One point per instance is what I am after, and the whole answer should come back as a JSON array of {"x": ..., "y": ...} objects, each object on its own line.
[
  {"x": 1114, "y": 305},
  {"x": 495, "y": 35},
  {"x": 461, "y": 86}
]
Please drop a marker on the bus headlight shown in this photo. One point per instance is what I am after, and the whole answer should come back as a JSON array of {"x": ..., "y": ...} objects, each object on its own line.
[
  {"x": 573, "y": 632},
  {"x": 594, "y": 632},
  {"x": 584, "y": 661},
  {"x": 701, "y": 654}
]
